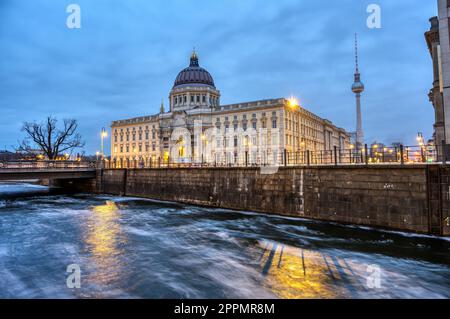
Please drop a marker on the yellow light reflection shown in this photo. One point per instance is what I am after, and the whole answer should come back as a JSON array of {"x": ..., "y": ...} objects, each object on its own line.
[
  {"x": 103, "y": 239},
  {"x": 293, "y": 273}
]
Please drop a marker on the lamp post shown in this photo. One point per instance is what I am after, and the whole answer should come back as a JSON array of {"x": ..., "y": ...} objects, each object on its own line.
[{"x": 104, "y": 134}]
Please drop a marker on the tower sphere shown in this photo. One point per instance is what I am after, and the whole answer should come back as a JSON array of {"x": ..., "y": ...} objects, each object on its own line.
[{"x": 357, "y": 87}]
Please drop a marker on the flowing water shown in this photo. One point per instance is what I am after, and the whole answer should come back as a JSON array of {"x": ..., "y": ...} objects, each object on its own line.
[{"x": 136, "y": 248}]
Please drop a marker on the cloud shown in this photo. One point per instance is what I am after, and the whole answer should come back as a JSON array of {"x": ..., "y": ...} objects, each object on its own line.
[{"x": 123, "y": 60}]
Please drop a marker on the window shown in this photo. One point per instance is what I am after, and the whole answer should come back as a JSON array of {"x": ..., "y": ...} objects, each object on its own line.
[
  {"x": 146, "y": 135},
  {"x": 198, "y": 98},
  {"x": 134, "y": 136},
  {"x": 121, "y": 149},
  {"x": 121, "y": 138},
  {"x": 235, "y": 141},
  {"x": 153, "y": 147},
  {"x": 245, "y": 116},
  {"x": 153, "y": 135},
  {"x": 235, "y": 127},
  {"x": 115, "y": 139},
  {"x": 128, "y": 149},
  {"x": 140, "y": 136},
  {"x": 185, "y": 99},
  {"x": 274, "y": 124},
  {"x": 192, "y": 99},
  {"x": 140, "y": 148},
  {"x": 244, "y": 126},
  {"x": 128, "y": 137},
  {"x": 204, "y": 99},
  {"x": 254, "y": 125}
]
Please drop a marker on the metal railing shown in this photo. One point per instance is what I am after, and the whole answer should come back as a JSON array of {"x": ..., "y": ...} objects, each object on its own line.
[
  {"x": 400, "y": 155},
  {"x": 46, "y": 165}
]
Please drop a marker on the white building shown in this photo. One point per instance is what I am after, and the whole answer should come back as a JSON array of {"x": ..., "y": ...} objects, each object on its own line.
[{"x": 198, "y": 128}]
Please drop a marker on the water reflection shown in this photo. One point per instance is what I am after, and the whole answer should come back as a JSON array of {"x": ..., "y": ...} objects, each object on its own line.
[
  {"x": 299, "y": 273},
  {"x": 145, "y": 249},
  {"x": 104, "y": 240}
]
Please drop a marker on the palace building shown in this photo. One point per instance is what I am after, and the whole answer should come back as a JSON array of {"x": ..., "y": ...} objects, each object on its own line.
[{"x": 197, "y": 127}]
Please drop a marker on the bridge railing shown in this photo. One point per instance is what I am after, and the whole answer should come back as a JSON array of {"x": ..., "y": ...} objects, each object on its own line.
[
  {"x": 373, "y": 155},
  {"x": 46, "y": 165}
]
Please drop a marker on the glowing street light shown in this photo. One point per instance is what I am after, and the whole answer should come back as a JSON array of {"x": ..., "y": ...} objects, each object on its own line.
[
  {"x": 103, "y": 135},
  {"x": 293, "y": 102}
]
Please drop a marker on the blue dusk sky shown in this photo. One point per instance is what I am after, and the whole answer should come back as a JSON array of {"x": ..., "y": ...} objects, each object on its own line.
[{"x": 124, "y": 59}]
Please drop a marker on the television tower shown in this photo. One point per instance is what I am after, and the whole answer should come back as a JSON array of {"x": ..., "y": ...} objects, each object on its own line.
[{"x": 358, "y": 88}]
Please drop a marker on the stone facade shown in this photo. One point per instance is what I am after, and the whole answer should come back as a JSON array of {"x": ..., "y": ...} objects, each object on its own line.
[
  {"x": 444, "y": 37},
  {"x": 435, "y": 95},
  {"x": 438, "y": 41},
  {"x": 194, "y": 99}
]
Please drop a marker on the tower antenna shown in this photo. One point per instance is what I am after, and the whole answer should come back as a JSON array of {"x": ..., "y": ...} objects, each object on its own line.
[
  {"x": 358, "y": 88},
  {"x": 356, "y": 53}
]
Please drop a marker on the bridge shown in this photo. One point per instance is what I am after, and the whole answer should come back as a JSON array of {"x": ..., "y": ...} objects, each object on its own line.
[{"x": 31, "y": 170}]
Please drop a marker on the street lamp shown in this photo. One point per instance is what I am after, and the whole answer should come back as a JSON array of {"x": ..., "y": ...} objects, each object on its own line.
[
  {"x": 293, "y": 102},
  {"x": 104, "y": 134}
]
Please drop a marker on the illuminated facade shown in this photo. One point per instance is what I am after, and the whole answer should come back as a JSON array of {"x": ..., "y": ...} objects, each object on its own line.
[{"x": 198, "y": 128}]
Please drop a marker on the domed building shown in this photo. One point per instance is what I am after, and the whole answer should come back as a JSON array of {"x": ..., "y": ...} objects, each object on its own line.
[
  {"x": 197, "y": 128},
  {"x": 193, "y": 88}
]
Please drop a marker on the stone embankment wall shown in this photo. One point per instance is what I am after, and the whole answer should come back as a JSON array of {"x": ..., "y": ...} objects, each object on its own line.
[{"x": 409, "y": 198}]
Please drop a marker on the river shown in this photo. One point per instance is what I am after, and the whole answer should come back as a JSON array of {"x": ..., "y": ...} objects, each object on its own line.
[{"x": 138, "y": 248}]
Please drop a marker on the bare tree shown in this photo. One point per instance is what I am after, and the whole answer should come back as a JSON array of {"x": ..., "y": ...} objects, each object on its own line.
[{"x": 50, "y": 139}]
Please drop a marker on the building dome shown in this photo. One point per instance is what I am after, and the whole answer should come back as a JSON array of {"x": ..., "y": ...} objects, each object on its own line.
[{"x": 194, "y": 74}]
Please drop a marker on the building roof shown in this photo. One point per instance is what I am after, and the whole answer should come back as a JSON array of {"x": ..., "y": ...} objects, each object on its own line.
[{"x": 194, "y": 74}]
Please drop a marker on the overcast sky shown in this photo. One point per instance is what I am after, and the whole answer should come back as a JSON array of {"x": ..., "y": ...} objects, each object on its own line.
[{"x": 124, "y": 59}]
